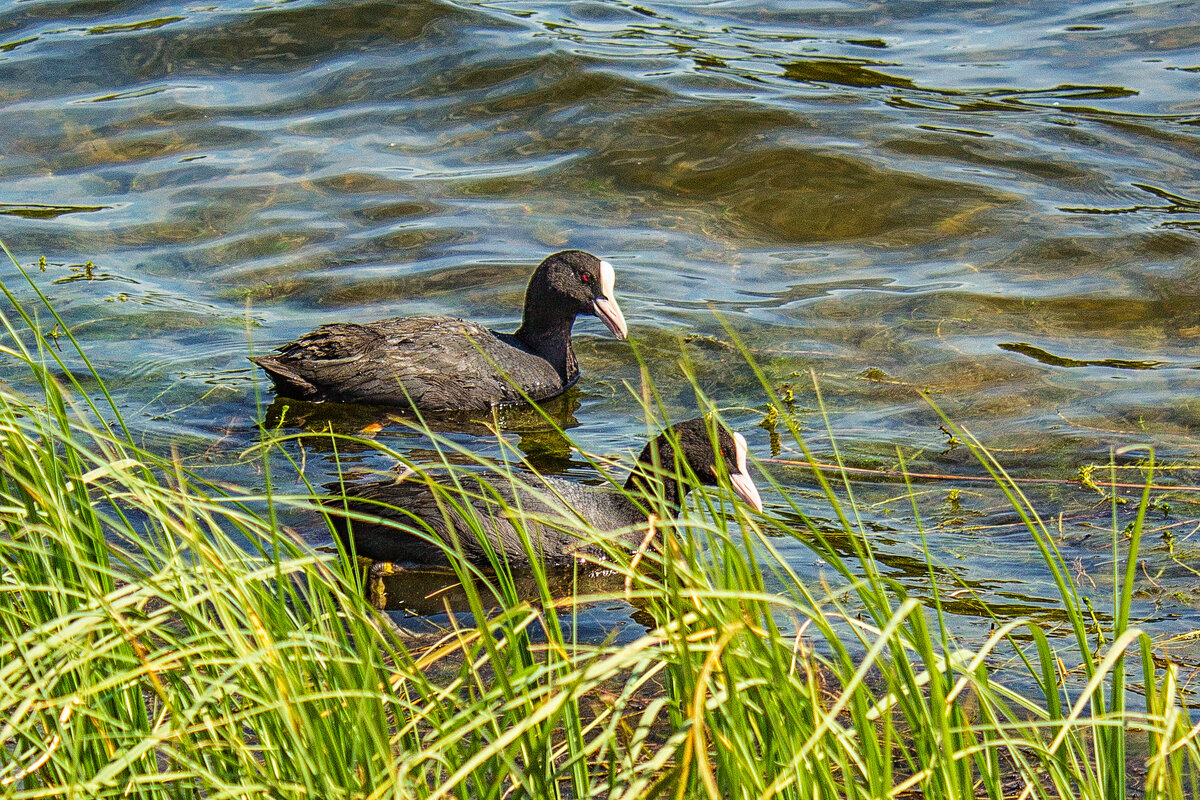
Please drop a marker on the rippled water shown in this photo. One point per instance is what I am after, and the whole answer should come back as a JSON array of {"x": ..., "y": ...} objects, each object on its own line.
[{"x": 996, "y": 203}]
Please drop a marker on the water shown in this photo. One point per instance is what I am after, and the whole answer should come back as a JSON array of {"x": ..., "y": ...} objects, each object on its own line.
[{"x": 994, "y": 206}]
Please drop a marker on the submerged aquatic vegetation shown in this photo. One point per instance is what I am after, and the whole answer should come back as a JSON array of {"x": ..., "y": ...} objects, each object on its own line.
[{"x": 163, "y": 636}]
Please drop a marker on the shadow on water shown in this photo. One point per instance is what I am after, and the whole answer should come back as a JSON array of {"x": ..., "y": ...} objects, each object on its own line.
[
  {"x": 429, "y": 592},
  {"x": 537, "y": 432}
]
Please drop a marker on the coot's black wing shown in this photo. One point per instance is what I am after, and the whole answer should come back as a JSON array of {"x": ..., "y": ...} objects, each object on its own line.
[
  {"x": 411, "y": 505},
  {"x": 433, "y": 363},
  {"x": 437, "y": 517}
]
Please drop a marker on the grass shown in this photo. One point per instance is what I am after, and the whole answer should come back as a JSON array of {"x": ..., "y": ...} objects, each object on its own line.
[{"x": 166, "y": 637}]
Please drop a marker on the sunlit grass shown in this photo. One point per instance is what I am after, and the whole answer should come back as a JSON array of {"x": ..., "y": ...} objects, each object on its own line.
[{"x": 164, "y": 638}]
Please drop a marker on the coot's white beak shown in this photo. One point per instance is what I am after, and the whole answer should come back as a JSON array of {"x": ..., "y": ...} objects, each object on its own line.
[
  {"x": 605, "y": 306},
  {"x": 741, "y": 480}
]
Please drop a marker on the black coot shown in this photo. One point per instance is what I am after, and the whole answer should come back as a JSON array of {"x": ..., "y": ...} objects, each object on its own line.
[
  {"x": 446, "y": 364},
  {"x": 411, "y": 503}
]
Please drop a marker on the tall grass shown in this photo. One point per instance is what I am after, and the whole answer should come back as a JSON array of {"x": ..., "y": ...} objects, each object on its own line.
[{"x": 163, "y": 637}]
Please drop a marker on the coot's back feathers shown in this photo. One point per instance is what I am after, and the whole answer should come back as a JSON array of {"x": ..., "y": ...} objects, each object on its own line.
[
  {"x": 441, "y": 364},
  {"x": 437, "y": 517},
  {"x": 445, "y": 364}
]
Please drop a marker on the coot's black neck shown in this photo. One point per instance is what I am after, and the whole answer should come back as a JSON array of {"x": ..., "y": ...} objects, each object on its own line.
[
  {"x": 546, "y": 331},
  {"x": 638, "y": 482}
]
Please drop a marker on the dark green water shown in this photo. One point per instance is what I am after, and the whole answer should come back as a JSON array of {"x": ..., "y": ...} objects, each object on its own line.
[{"x": 999, "y": 203}]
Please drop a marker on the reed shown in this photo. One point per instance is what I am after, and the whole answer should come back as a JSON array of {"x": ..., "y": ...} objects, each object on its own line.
[{"x": 165, "y": 637}]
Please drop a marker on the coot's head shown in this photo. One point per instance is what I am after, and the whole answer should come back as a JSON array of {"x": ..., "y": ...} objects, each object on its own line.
[
  {"x": 576, "y": 282},
  {"x": 711, "y": 465}
]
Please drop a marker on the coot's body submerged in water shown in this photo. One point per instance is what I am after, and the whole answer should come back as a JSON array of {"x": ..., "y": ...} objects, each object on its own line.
[
  {"x": 447, "y": 364},
  {"x": 437, "y": 524}
]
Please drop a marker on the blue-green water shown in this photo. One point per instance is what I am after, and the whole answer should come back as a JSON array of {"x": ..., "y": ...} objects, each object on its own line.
[{"x": 998, "y": 203}]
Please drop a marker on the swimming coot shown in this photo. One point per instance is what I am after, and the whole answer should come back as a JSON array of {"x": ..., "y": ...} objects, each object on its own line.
[
  {"x": 446, "y": 364},
  {"x": 412, "y": 504}
]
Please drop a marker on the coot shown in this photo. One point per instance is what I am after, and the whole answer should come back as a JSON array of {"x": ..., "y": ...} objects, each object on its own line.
[
  {"x": 446, "y": 364},
  {"x": 437, "y": 517}
]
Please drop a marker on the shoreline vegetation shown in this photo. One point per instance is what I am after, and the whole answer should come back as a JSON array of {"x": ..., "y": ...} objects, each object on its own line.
[{"x": 164, "y": 636}]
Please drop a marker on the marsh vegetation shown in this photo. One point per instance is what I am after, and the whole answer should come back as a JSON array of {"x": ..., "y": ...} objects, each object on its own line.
[{"x": 166, "y": 636}]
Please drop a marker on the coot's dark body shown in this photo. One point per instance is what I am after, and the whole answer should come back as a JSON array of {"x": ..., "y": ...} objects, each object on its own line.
[
  {"x": 441, "y": 364},
  {"x": 446, "y": 364},
  {"x": 413, "y": 504}
]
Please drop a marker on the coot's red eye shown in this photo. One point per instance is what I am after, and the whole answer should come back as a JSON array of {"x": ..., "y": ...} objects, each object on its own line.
[{"x": 586, "y": 278}]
